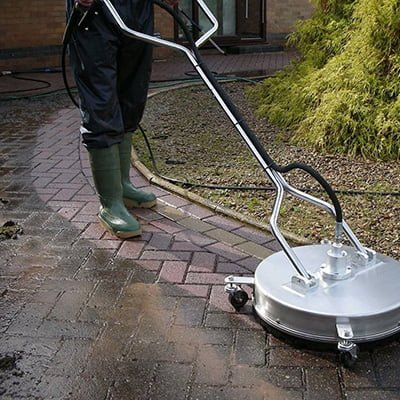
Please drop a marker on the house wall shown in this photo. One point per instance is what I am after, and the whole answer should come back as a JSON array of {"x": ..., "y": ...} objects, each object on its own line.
[
  {"x": 31, "y": 31},
  {"x": 282, "y": 16},
  {"x": 164, "y": 25}
]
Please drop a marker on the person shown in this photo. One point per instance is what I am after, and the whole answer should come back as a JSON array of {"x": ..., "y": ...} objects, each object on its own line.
[{"x": 112, "y": 75}]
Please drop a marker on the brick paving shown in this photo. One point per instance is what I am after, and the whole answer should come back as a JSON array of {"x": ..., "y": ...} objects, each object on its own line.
[{"x": 87, "y": 316}]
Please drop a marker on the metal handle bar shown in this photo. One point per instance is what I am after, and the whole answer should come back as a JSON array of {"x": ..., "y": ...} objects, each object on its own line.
[
  {"x": 280, "y": 184},
  {"x": 159, "y": 41}
]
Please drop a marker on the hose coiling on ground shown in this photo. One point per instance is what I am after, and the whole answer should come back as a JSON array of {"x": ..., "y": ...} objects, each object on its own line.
[{"x": 253, "y": 138}]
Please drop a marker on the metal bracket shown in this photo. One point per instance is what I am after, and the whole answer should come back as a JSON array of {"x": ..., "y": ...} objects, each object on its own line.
[
  {"x": 344, "y": 331},
  {"x": 239, "y": 280},
  {"x": 345, "y": 344},
  {"x": 302, "y": 284},
  {"x": 364, "y": 260},
  {"x": 232, "y": 283}
]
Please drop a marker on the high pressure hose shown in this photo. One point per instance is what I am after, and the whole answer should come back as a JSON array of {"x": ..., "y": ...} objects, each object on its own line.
[
  {"x": 72, "y": 23},
  {"x": 253, "y": 138}
]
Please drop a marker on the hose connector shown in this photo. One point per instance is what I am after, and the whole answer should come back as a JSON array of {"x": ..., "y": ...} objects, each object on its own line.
[
  {"x": 338, "y": 264},
  {"x": 338, "y": 232}
]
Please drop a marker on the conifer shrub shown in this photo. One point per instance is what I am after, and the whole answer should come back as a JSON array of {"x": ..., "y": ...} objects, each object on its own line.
[{"x": 342, "y": 95}]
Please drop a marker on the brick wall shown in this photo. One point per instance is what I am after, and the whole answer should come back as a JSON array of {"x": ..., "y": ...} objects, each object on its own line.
[
  {"x": 31, "y": 23},
  {"x": 283, "y": 14},
  {"x": 164, "y": 25},
  {"x": 31, "y": 31}
]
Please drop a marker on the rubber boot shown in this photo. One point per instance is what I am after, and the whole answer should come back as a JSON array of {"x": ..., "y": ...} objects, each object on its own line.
[
  {"x": 133, "y": 197},
  {"x": 113, "y": 215}
]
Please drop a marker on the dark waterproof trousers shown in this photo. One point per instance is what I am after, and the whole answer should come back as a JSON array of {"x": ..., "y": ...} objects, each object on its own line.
[{"x": 112, "y": 72}]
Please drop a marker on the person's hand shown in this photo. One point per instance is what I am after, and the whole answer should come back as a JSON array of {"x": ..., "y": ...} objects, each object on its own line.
[
  {"x": 84, "y": 3},
  {"x": 172, "y": 3}
]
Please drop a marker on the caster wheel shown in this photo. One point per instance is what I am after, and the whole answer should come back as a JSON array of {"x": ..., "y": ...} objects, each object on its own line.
[
  {"x": 238, "y": 299},
  {"x": 349, "y": 358}
]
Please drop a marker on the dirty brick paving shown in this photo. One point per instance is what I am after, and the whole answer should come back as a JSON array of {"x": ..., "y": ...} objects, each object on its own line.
[{"x": 86, "y": 316}]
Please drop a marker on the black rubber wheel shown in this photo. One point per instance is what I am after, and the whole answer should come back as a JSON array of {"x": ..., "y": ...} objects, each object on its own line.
[
  {"x": 238, "y": 299},
  {"x": 348, "y": 359}
]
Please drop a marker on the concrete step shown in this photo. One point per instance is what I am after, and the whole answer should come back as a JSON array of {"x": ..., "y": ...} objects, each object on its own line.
[{"x": 254, "y": 48}]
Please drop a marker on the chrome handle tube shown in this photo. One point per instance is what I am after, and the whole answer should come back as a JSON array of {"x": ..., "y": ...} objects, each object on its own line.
[
  {"x": 159, "y": 41},
  {"x": 213, "y": 21}
]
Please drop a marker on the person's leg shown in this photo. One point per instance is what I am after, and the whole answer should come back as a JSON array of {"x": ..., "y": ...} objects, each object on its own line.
[
  {"x": 134, "y": 70},
  {"x": 94, "y": 53},
  {"x": 133, "y": 197},
  {"x": 113, "y": 215}
]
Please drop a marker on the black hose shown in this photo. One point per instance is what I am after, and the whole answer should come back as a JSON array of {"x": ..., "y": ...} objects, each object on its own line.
[
  {"x": 64, "y": 74},
  {"x": 253, "y": 138},
  {"x": 70, "y": 27},
  {"x": 45, "y": 85}
]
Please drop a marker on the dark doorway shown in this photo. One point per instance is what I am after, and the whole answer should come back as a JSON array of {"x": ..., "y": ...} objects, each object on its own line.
[{"x": 250, "y": 19}]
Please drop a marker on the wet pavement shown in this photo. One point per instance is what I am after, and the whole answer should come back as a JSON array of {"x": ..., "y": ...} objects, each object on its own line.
[{"x": 86, "y": 316}]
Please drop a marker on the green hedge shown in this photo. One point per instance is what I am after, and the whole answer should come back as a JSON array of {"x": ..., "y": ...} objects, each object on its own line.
[{"x": 342, "y": 96}]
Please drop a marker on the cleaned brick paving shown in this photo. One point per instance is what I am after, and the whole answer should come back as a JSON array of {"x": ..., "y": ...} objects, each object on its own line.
[{"x": 86, "y": 316}]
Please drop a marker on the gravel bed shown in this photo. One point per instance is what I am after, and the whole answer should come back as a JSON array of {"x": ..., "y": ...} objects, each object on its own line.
[{"x": 193, "y": 141}]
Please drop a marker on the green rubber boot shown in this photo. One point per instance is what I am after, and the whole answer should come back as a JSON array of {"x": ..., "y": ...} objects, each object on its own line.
[
  {"x": 113, "y": 215},
  {"x": 133, "y": 197}
]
